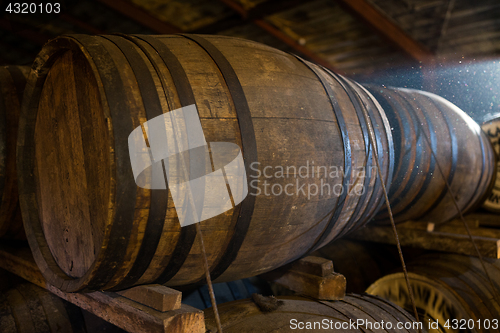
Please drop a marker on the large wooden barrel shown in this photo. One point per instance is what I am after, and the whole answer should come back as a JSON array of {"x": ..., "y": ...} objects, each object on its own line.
[
  {"x": 448, "y": 288},
  {"x": 12, "y": 83},
  {"x": 434, "y": 142},
  {"x": 25, "y": 308},
  {"x": 492, "y": 129},
  {"x": 292, "y": 313},
  {"x": 90, "y": 226}
]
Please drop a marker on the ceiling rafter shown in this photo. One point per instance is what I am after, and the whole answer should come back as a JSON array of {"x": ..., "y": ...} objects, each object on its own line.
[
  {"x": 259, "y": 11},
  {"x": 141, "y": 16},
  {"x": 271, "y": 29},
  {"x": 385, "y": 27}
]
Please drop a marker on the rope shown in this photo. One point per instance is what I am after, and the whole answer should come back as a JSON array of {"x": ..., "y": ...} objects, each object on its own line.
[{"x": 209, "y": 280}]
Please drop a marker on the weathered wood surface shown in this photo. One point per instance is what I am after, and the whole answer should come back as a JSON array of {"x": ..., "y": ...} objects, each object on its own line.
[
  {"x": 86, "y": 95},
  {"x": 435, "y": 143},
  {"x": 118, "y": 310},
  {"x": 311, "y": 276},
  {"x": 446, "y": 237},
  {"x": 12, "y": 83},
  {"x": 447, "y": 287},
  {"x": 249, "y": 316}
]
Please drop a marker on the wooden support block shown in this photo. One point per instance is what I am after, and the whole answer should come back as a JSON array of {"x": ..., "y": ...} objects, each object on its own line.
[
  {"x": 130, "y": 315},
  {"x": 331, "y": 287},
  {"x": 155, "y": 296},
  {"x": 311, "y": 276},
  {"x": 313, "y": 265}
]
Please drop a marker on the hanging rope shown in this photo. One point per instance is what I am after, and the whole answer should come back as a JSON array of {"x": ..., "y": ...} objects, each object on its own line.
[{"x": 209, "y": 280}]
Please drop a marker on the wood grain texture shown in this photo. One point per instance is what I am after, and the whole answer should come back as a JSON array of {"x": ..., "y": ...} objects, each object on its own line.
[
  {"x": 12, "y": 83},
  {"x": 246, "y": 316},
  {"x": 435, "y": 142},
  {"x": 77, "y": 179},
  {"x": 446, "y": 287}
]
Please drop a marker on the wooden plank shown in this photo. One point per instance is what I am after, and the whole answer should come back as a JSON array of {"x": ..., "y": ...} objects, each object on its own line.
[
  {"x": 118, "y": 310},
  {"x": 141, "y": 16},
  {"x": 387, "y": 28},
  {"x": 415, "y": 235}
]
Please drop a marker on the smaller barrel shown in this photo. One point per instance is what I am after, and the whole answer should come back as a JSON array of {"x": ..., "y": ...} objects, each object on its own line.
[
  {"x": 25, "y": 307},
  {"x": 491, "y": 128},
  {"x": 12, "y": 83},
  {"x": 356, "y": 313},
  {"x": 446, "y": 288},
  {"x": 435, "y": 144}
]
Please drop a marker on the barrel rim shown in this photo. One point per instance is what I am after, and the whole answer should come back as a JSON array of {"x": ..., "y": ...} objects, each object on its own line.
[{"x": 44, "y": 259}]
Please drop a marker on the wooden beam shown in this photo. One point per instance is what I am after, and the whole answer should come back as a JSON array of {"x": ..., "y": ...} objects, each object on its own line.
[
  {"x": 271, "y": 29},
  {"x": 261, "y": 10},
  {"x": 388, "y": 29},
  {"x": 141, "y": 16},
  {"x": 447, "y": 237}
]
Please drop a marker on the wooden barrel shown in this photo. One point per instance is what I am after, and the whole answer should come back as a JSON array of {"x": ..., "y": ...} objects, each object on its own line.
[
  {"x": 90, "y": 226},
  {"x": 25, "y": 307},
  {"x": 12, "y": 83},
  {"x": 307, "y": 315},
  {"x": 447, "y": 288},
  {"x": 434, "y": 142},
  {"x": 492, "y": 129}
]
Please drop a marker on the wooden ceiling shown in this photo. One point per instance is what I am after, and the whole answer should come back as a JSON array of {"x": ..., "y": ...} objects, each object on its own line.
[{"x": 355, "y": 37}]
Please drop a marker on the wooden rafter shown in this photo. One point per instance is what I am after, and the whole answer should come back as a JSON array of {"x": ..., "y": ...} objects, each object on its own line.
[
  {"x": 259, "y": 11},
  {"x": 387, "y": 28},
  {"x": 141, "y": 16},
  {"x": 280, "y": 35}
]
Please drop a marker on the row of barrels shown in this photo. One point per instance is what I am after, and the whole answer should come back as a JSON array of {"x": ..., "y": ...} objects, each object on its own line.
[
  {"x": 91, "y": 227},
  {"x": 452, "y": 291}
]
